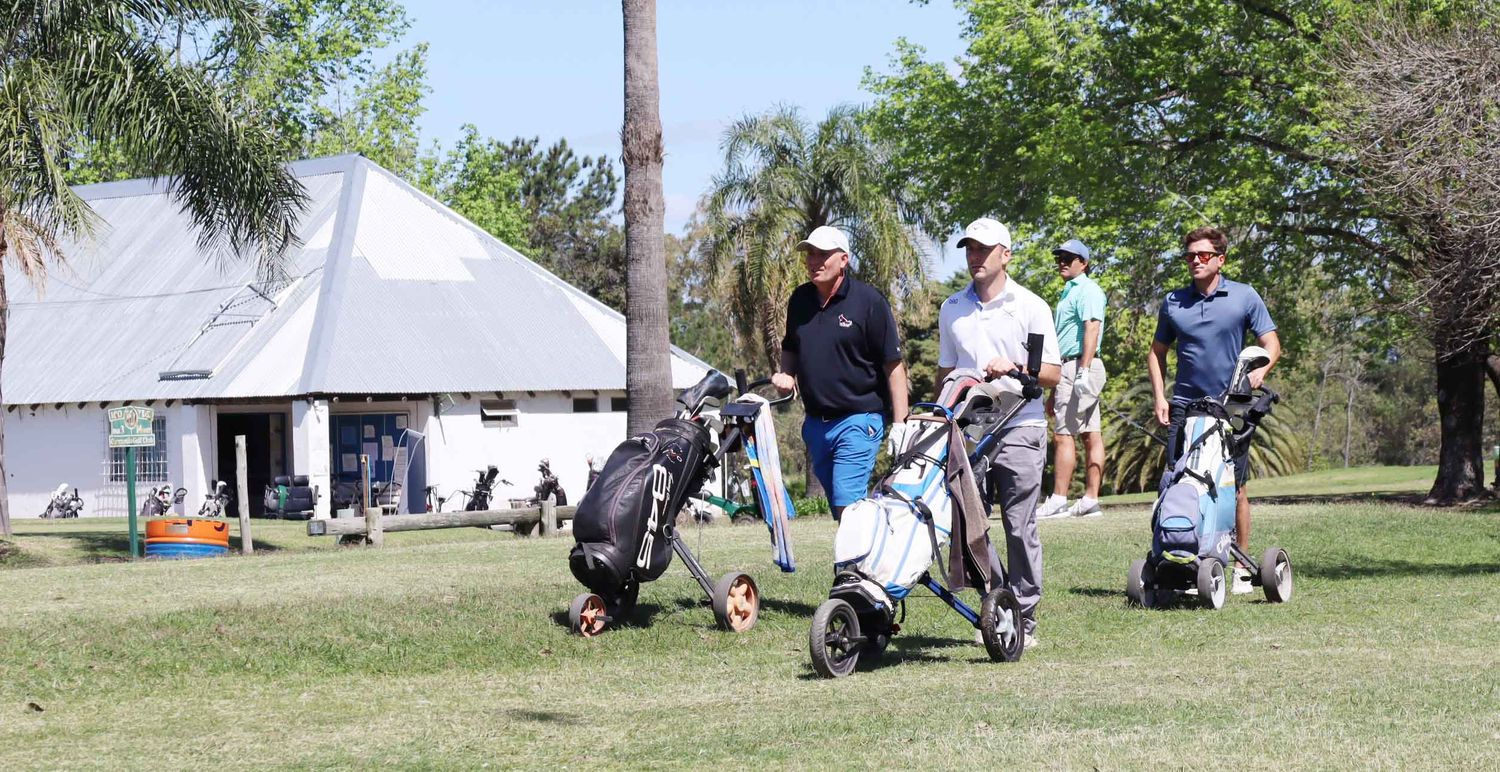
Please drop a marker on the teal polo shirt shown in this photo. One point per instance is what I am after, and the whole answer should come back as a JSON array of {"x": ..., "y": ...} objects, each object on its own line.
[{"x": 1082, "y": 300}]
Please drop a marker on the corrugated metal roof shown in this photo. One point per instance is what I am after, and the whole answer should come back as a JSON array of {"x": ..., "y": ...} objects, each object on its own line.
[{"x": 391, "y": 293}]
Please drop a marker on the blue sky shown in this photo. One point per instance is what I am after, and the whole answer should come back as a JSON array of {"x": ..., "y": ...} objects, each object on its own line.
[{"x": 554, "y": 69}]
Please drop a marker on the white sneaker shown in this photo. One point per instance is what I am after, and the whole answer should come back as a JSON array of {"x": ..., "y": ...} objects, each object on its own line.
[
  {"x": 1054, "y": 506},
  {"x": 1085, "y": 507},
  {"x": 1031, "y": 642},
  {"x": 1242, "y": 584}
]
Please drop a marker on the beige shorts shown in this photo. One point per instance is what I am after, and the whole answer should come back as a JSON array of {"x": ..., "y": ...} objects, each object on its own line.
[{"x": 1077, "y": 414}]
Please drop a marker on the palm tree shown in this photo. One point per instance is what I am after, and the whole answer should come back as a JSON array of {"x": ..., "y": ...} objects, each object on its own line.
[
  {"x": 782, "y": 178},
  {"x": 648, "y": 364},
  {"x": 75, "y": 73}
]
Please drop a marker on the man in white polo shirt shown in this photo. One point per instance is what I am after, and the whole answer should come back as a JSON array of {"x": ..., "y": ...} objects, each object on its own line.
[{"x": 984, "y": 326}]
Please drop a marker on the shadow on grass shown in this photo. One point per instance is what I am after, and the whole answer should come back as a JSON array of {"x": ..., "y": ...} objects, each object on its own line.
[
  {"x": 1407, "y": 498},
  {"x": 1377, "y": 567},
  {"x": 910, "y": 649},
  {"x": 795, "y": 608},
  {"x": 540, "y": 716},
  {"x": 113, "y": 546}
]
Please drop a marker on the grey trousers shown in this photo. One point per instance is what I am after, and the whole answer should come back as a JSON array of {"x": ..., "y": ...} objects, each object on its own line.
[{"x": 1015, "y": 483}]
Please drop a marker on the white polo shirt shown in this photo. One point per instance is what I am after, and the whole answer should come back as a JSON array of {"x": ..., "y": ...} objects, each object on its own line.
[{"x": 971, "y": 333}]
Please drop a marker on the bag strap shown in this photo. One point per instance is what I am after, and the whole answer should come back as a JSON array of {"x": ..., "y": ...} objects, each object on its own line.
[{"x": 924, "y": 513}]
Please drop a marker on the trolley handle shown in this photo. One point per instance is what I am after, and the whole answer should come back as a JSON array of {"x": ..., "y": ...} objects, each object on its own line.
[{"x": 746, "y": 388}]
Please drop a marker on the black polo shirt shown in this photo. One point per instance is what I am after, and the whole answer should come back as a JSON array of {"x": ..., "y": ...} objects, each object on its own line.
[{"x": 842, "y": 348}]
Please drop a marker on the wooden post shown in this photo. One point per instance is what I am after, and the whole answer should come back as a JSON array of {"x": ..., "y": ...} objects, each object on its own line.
[
  {"x": 548, "y": 526},
  {"x": 373, "y": 530},
  {"x": 242, "y": 487}
]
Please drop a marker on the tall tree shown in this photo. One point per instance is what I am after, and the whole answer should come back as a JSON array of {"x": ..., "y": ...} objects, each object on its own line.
[
  {"x": 88, "y": 70},
  {"x": 1422, "y": 100},
  {"x": 475, "y": 179},
  {"x": 648, "y": 364},
  {"x": 1130, "y": 121},
  {"x": 308, "y": 72},
  {"x": 548, "y": 202},
  {"x": 782, "y": 178}
]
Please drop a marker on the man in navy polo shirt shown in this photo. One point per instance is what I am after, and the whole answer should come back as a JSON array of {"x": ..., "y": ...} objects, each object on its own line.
[
  {"x": 1208, "y": 320},
  {"x": 841, "y": 350}
]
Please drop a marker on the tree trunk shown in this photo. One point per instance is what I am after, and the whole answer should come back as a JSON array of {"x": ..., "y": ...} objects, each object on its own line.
[
  {"x": 1317, "y": 431},
  {"x": 1460, "y": 396},
  {"x": 1491, "y": 368},
  {"x": 4, "y": 323},
  {"x": 1351, "y": 385},
  {"x": 648, "y": 364}
]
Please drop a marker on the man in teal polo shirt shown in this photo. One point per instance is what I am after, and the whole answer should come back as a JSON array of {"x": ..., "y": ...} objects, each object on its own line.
[{"x": 1074, "y": 404}]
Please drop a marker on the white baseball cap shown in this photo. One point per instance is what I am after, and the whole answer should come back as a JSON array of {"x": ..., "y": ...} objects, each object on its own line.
[
  {"x": 986, "y": 232},
  {"x": 826, "y": 238}
]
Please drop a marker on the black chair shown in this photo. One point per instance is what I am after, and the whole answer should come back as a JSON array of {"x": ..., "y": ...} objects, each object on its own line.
[{"x": 291, "y": 498}]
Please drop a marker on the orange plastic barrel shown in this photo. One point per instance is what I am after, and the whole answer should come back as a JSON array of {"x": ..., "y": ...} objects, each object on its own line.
[{"x": 187, "y": 531}]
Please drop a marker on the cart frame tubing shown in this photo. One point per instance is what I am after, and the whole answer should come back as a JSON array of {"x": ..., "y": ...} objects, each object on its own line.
[
  {"x": 1239, "y": 554},
  {"x": 680, "y": 547},
  {"x": 950, "y": 599}
]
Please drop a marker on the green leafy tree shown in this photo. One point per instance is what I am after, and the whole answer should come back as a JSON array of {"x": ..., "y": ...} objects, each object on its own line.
[
  {"x": 476, "y": 180},
  {"x": 316, "y": 81},
  {"x": 782, "y": 178},
  {"x": 1127, "y": 122},
  {"x": 569, "y": 204},
  {"x": 307, "y": 70},
  {"x": 91, "y": 70}
]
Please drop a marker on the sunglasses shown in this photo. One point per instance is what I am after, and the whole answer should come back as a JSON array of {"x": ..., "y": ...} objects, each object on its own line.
[{"x": 1200, "y": 257}]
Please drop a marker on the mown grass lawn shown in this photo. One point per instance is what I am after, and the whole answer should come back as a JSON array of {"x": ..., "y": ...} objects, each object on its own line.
[{"x": 447, "y": 649}]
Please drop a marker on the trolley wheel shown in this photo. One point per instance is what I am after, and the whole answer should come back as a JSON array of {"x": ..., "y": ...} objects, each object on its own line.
[
  {"x": 587, "y": 615},
  {"x": 1000, "y": 625},
  {"x": 1211, "y": 587},
  {"x": 1140, "y": 585},
  {"x": 832, "y": 639},
  {"x": 736, "y": 602},
  {"x": 1276, "y": 575}
]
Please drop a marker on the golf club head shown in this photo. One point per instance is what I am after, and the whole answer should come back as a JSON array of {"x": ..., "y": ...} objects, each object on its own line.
[{"x": 1251, "y": 358}]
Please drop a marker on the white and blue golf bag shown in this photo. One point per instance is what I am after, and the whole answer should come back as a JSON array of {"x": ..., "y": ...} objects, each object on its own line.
[
  {"x": 884, "y": 536},
  {"x": 1194, "y": 517}
]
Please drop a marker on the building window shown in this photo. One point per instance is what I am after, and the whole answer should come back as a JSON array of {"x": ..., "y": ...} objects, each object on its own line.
[
  {"x": 150, "y": 463},
  {"x": 501, "y": 413},
  {"x": 619, "y": 404},
  {"x": 585, "y": 405}
]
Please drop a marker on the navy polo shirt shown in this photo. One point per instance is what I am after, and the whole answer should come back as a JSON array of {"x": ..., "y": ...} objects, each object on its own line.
[
  {"x": 1209, "y": 332},
  {"x": 842, "y": 348}
]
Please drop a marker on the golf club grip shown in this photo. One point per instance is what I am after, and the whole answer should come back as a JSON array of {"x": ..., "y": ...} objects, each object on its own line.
[{"x": 1034, "y": 343}]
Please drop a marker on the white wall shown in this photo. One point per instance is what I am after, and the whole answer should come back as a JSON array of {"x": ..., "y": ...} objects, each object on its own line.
[
  {"x": 546, "y": 428},
  {"x": 52, "y": 446},
  {"x": 49, "y": 446}
]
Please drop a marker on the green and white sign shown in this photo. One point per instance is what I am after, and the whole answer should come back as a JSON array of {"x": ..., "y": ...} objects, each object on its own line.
[{"x": 130, "y": 427}]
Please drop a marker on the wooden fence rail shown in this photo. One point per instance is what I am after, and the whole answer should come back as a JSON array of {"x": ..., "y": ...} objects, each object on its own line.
[{"x": 522, "y": 519}]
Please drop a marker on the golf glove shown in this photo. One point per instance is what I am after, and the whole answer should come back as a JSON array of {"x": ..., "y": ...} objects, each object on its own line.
[{"x": 895, "y": 439}]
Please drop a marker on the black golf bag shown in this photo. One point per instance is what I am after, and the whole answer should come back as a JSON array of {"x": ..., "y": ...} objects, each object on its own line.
[{"x": 623, "y": 523}]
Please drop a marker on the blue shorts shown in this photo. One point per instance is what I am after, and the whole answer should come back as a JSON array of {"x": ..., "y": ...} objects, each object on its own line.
[{"x": 843, "y": 452}]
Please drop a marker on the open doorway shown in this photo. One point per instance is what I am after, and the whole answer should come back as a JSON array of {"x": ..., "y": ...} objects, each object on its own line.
[{"x": 265, "y": 455}]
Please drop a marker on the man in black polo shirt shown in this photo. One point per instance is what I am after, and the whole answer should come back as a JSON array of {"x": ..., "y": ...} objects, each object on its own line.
[{"x": 841, "y": 349}]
